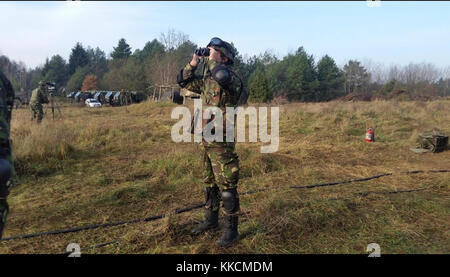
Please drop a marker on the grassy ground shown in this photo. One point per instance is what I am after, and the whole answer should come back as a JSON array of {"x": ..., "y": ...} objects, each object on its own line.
[{"x": 113, "y": 164}]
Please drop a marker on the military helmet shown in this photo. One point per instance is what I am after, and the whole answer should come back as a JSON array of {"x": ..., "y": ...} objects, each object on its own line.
[
  {"x": 224, "y": 47},
  {"x": 41, "y": 83}
]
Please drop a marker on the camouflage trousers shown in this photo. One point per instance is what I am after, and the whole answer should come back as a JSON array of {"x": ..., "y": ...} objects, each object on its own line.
[
  {"x": 220, "y": 166},
  {"x": 36, "y": 111}
]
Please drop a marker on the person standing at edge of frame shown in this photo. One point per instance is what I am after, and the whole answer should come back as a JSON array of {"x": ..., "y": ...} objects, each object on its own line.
[
  {"x": 6, "y": 160},
  {"x": 219, "y": 87}
]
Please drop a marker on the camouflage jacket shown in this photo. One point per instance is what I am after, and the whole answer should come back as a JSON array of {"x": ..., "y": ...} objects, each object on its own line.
[
  {"x": 38, "y": 96},
  {"x": 200, "y": 80},
  {"x": 6, "y": 105}
]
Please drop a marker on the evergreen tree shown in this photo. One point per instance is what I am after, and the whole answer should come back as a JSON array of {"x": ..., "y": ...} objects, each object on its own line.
[
  {"x": 151, "y": 49},
  {"x": 259, "y": 87},
  {"x": 184, "y": 53},
  {"x": 76, "y": 81},
  {"x": 78, "y": 58},
  {"x": 122, "y": 51},
  {"x": 331, "y": 82},
  {"x": 97, "y": 61},
  {"x": 388, "y": 87},
  {"x": 356, "y": 77},
  {"x": 300, "y": 77},
  {"x": 128, "y": 75},
  {"x": 55, "y": 70}
]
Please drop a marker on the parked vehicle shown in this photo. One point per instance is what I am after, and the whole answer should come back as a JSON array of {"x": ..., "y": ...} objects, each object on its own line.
[
  {"x": 77, "y": 96},
  {"x": 71, "y": 94},
  {"x": 85, "y": 95},
  {"x": 115, "y": 101},
  {"x": 100, "y": 96},
  {"x": 108, "y": 97},
  {"x": 137, "y": 96},
  {"x": 92, "y": 103}
]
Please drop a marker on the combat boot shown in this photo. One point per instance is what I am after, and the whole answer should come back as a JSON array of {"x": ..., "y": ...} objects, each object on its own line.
[
  {"x": 230, "y": 235},
  {"x": 3, "y": 213},
  {"x": 211, "y": 211}
]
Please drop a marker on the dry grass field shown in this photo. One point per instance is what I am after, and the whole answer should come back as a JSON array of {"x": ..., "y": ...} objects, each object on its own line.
[{"x": 119, "y": 163}]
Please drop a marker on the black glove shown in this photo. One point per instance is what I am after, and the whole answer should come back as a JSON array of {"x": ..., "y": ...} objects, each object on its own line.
[{"x": 181, "y": 82}]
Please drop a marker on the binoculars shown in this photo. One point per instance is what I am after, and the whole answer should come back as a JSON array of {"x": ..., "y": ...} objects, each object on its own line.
[{"x": 202, "y": 52}]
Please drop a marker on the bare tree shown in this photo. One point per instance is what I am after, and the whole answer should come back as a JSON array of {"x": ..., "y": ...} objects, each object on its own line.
[
  {"x": 394, "y": 73},
  {"x": 161, "y": 70},
  {"x": 376, "y": 70},
  {"x": 173, "y": 39},
  {"x": 446, "y": 72}
]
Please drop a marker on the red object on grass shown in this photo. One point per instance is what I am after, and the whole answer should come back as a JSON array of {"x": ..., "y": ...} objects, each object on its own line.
[{"x": 370, "y": 135}]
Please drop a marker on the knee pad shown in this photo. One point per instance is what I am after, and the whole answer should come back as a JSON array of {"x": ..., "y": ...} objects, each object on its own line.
[{"x": 230, "y": 200}]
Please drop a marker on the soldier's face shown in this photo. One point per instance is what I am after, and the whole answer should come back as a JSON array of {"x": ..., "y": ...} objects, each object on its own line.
[{"x": 215, "y": 55}]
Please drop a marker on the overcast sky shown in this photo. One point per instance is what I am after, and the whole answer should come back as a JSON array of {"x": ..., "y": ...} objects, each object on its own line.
[{"x": 395, "y": 33}]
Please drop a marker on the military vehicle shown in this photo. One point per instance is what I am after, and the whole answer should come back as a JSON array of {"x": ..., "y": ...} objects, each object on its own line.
[
  {"x": 71, "y": 94},
  {"x": 77, "y": 96},
  {"x": 137, "y": 96},
  {"x": 85, "y": 95},
  {"x": 22, "y": 98},
  {"x": 115, "y": 101},
  {"x": 109, "y": 97},
  {"x": 100, "y": 96}
]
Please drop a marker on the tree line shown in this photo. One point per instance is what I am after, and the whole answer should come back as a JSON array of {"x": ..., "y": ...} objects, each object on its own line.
[{"x": 294, "y": 77}]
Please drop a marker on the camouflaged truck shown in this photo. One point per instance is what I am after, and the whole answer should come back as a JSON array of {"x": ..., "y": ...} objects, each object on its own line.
[
  {"x": 137, "y": 96},
  {"x": 71, "y": 96},
  {"x": 109, "y": 97},
  {"x": 100, "y": 96},
  {"x": 22, "y": 98}
]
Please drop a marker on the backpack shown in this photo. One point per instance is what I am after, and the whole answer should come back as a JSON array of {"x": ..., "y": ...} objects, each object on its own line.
[{"x": 243, "y": 96}]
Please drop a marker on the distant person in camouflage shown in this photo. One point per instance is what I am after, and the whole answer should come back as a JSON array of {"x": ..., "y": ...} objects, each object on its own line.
[
  {"x": 125, "y": 98},
  {"x": 38, "y": 97},
  {"x": 6, "y": 161},
  {"x": 219, "y": 86}
]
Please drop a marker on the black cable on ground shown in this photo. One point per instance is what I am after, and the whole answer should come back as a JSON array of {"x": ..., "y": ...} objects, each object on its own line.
[
  {"x": 341, "y": 182},
  {"x": 248, "y": 212},
  {"x": 94, "y": 226},
  {"x": 197, "y": 206}
]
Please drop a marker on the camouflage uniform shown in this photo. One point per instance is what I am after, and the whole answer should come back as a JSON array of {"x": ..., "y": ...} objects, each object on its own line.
[
  {"x": 220, "y": 161},
  {"x": 38, "y": 96},
  {"x": 6, "y": 160},
  {"x": 125, "y": 98}
]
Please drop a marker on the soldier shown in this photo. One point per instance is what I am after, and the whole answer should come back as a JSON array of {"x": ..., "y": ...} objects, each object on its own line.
[
  {"x": 129, "y": 98},
  {"x": 38, "y": 96},
  {"x": 123, "y": 98},
  {"x": 219, "y": 86},
  {"x": 6, "y": 161}
]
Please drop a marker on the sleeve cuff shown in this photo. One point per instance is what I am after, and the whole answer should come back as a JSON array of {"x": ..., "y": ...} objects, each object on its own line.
[{"x": 190, "y": 67}]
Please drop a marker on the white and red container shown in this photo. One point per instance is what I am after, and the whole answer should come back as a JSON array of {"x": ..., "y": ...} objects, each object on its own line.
[{"x": 370, "y": 135}]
